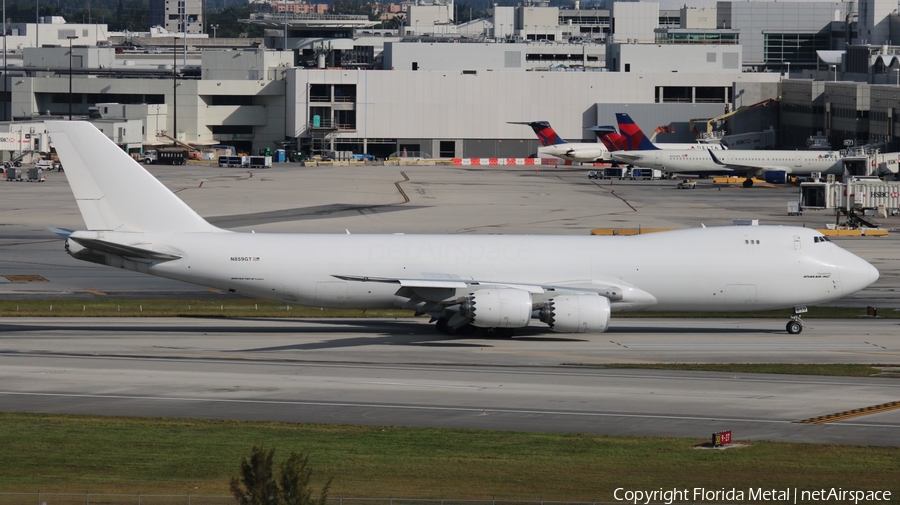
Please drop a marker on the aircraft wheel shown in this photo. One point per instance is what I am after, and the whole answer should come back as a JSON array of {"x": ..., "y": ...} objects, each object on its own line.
[
  {"x": 442, "y": 327},
  {"x": 489, "y": 332},
  {"x": 748, "y": 183},
  {"x": 794, "y": 327}
]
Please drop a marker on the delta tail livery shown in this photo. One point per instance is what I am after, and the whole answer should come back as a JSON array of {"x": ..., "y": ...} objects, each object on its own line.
[
  {"x": 493, "y": 282},
  {"x": 635, "y": 140}
]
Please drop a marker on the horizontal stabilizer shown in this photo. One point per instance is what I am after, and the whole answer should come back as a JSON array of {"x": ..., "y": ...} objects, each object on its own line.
[
  {"x": 60, "y": 232},
  {"x": 126, "y": 251},
  {"x": 604, "y": 129}
]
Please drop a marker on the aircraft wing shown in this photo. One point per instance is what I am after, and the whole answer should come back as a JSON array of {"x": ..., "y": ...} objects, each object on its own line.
[
  {"x": 438, "y": 290},
  {"x": 751, "y": 170}
]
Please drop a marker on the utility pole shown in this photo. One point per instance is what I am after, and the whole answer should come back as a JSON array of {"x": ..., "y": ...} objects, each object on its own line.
[
  {"x": 174, "y": 87},
  {"x": 4, "y": 62},
  {"x": 71, "y": 38}
]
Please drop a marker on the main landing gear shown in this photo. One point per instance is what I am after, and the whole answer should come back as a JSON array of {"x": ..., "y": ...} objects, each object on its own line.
[
  {"x": 795, "y": 325},
  {"x": 467, "y": 329},
  {"x": 748, "y": 183}
]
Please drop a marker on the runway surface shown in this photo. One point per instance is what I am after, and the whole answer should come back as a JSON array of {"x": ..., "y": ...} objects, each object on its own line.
[{"x": 403, "y": 373}]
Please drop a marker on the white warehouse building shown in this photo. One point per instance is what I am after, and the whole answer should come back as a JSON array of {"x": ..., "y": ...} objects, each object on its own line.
[{"x": 466, "y": 113}]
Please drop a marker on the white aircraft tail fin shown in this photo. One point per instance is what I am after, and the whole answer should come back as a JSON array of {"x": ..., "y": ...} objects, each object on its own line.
[{"x": 113, "y": 191}]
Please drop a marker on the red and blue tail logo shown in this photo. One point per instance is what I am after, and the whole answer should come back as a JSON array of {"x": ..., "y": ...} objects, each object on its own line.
[
  {"x": 610, "y": 137},
  {"x": 545, "y": 133},
  {"x": 635, "y": 140}
]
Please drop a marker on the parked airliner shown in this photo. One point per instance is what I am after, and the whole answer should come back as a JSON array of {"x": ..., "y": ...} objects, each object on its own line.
[
  {"x": 581, "y": 152},
  {"x": 773, "y": 166},
  {"x": 627, "y": 138},
  {"x": 493, "y": 282}
]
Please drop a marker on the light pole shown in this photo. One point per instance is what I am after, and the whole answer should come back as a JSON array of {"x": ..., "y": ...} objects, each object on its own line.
[
  {"x": 898, "y": 76},
  {"x": 71, "y": 38},
  {"x": 3, "y": 118},
  {"x": 183, "y": 4},
  {"x": 214, "y": 28},
  {"x": 834, "y": 67}
]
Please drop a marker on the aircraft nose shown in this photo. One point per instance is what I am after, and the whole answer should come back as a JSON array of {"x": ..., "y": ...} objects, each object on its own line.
[{"x": 857, "y": 274}]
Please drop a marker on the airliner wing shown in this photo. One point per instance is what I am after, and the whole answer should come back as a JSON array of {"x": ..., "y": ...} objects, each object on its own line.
[
  {"x": 749, "y": 169},
  {"x": 421, "y": 287}
]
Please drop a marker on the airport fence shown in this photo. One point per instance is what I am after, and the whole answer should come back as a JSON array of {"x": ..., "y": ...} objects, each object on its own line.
[{"x": 193, "y": 499}]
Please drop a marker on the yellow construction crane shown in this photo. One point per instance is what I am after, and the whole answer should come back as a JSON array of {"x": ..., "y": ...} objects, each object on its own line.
[{"x": 710, "y": 122}]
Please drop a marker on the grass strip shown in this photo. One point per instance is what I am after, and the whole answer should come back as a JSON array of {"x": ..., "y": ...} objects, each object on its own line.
[
  {"x": 232, "y": 307},
  {"x": 242, "y": 307},
  {"x": 65, "y": 453},
  {"x": 838, "y": 369}
]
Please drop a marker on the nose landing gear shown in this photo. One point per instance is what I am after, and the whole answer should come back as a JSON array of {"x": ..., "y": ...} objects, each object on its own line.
[{"x": 795, "y": 325}]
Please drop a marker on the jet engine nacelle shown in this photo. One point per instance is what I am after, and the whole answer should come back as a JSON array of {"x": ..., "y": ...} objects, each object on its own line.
[
  {"x": 498, "y": 308},
  {"x": 586, "y": 155},
  {"x": 577, "y": 314},
  {"x": 776, "y": 177}
]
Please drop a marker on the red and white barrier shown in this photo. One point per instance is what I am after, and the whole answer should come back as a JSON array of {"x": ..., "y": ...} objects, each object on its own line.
[{"x": 506, "y": 161}]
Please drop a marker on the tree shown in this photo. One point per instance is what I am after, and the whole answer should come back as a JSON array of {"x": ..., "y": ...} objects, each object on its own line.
[
  {"x": 295, "y": 482},
  {"x": 258, "y": 485}
]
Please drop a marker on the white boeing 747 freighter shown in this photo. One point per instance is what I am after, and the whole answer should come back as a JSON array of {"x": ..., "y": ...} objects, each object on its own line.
[{"x": 492, "y": 282}]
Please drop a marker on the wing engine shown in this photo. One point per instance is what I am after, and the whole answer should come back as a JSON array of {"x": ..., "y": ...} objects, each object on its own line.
[
  {"x": 577, "y": 314},
  {"x": 495, "y": 308}
]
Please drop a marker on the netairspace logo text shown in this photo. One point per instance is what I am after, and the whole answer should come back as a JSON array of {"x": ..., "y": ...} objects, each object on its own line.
[{"x": 756, "y": 495}]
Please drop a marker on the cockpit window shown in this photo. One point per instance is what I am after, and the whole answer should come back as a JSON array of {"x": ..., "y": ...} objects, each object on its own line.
[{"x": 821, "y": 238}]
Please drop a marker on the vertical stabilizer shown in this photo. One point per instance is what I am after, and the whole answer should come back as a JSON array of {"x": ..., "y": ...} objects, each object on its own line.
[
  {"x": 545, "y": 133},
  {"x": 635, "y": 140},
  {"x": 610, "y": 137},
  {"x": 113, "y": 191}
]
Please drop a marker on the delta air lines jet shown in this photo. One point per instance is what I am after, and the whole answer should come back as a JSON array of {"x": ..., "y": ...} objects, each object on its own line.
[
  {"x": 495, "y": 283},
  {"x": 773, "y": 166},
  {"x": 580, "y": 152}
]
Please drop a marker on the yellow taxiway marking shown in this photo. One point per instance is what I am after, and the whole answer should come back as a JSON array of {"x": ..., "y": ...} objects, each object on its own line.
[{"x": 849, "y": 414}]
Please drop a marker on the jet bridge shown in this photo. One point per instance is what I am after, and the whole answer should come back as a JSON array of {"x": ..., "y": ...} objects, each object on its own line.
[
  {"x": 852, "y": 198},
  {"x": 870, "y": 161}
]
